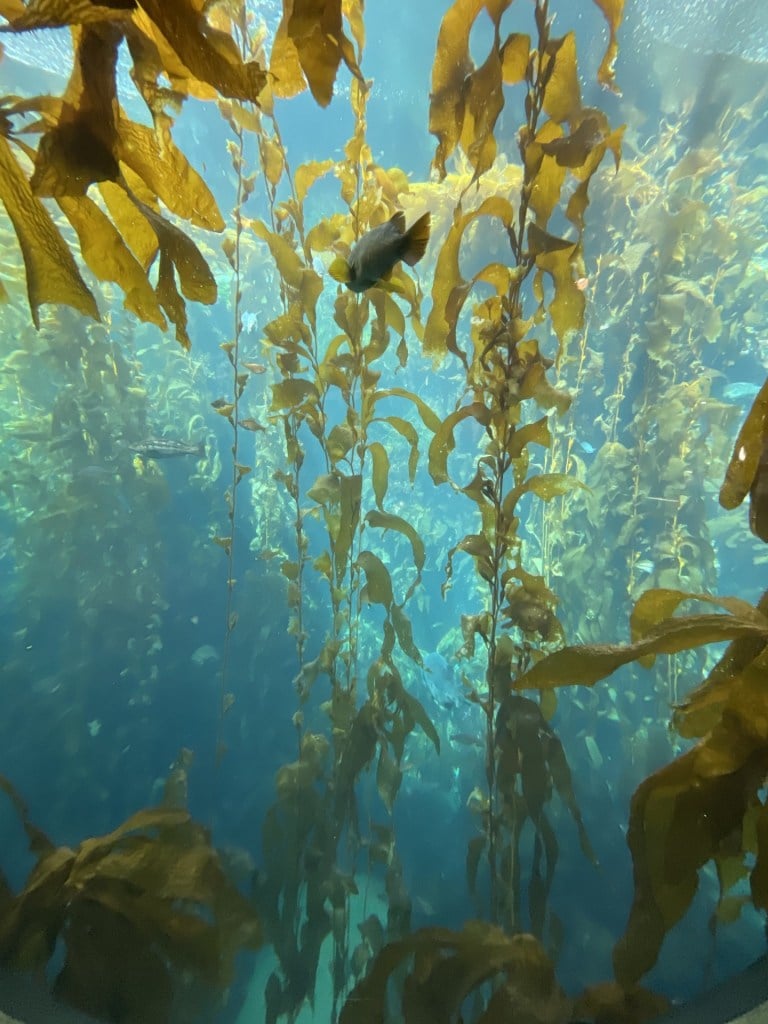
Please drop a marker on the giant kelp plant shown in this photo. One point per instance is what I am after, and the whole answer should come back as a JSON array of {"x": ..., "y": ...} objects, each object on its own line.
[{"x": 333, "y": 513}]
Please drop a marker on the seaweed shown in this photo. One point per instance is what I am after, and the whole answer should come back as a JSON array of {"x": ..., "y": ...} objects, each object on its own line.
[{"x": 134, "y": 909}]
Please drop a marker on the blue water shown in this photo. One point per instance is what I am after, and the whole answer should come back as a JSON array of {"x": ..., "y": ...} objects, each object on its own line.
[{"x": 113, "y": 597}]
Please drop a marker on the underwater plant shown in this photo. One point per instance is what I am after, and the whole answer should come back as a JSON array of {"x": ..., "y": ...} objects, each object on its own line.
[
  {"x": 506, "y": 372},
  {"x": 135, "y": 910}
]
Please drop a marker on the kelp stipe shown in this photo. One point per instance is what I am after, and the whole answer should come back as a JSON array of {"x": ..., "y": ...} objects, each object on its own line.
[{"x": 506, "y": 372}]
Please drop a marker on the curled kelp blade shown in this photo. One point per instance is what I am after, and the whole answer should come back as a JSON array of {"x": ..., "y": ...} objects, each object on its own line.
[{"x": 747, "y": 471}]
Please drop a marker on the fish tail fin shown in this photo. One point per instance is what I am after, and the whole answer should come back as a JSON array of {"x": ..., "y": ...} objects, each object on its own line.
[
  {"x": 415, "y": 239},
  {"x": 340, "y": 271}
]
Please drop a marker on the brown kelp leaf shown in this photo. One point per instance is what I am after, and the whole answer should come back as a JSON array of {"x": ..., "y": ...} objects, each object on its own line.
[
  {"x": 51, "y": 271},
  {"x": 168, "y": 174},
  {"x": 758, "y": 497},
  {"x": 404, "y": 632},
  {"x": 573, "y": 150},
  {"x": 687, "y": 811},
  {"x": 210, "y": 54},
  {"x": 657, "y": 604},
  {"x": 293, "y": 393},
  {"x": 169, "y": 298},
  {"x": 429, "y": 418},
  {"x": 58, "y": 13},
  {"x": 380, "y": 471},
  {"x": 388, "y": 521},
  {"x": 109, "y": 258},
  {"x": 587, "y": 664},
  {"x": 315, "y": 28},
  {"x": 443, "y": 443},
  {"x": 378, "y": 585},
  {"x": 742, "y": 469},
  {"x": 340, "y": 441},
  {"x": 532, "y": 433},
  {"x": 449, "y": 966},
  {"x": 613, "y": 12},
  {"x": 80, "y": 148}
]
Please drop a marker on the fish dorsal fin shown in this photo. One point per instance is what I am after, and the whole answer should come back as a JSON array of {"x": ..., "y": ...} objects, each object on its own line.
[
  {"x": 416, "y": 239},
  {"x": 397, "y": 221},
  {"x": 340, "y": 270}
]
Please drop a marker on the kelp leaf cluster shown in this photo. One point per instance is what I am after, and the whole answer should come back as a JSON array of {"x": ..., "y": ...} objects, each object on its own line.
[
  {"x": 707, "y": 804},
  {"x": 449, "y": 967},
  {"x": 130, "y": 907},
  {"x": 86, "y": 139}
]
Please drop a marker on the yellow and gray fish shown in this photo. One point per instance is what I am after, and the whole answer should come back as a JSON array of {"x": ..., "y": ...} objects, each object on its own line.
[
  {"x": 374, "y": 256},
  {"x": 163, "y": 448}
]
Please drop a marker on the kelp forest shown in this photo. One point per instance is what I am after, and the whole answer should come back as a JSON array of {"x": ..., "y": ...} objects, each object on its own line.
[{"x": 382, "y": 634}]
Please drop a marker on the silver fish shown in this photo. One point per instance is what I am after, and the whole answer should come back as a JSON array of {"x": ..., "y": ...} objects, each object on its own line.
[{"x": 163, "y": 448}]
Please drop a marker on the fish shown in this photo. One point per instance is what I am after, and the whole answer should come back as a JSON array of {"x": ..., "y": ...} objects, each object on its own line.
[
  {"x": 163, "y": 448},
  {"x": 373, "y": 258}
]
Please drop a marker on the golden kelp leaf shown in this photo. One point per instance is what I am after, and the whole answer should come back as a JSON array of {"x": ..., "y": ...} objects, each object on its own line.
[
  {"x": 483, "y": 102},
  {"x": 585, "y": 665},
  {"x": 658, "y": 604},
  {"x": 291, "y": 394},
  {"x": 272, "y": 159},
  {"x": 154, "y": 59},
  {"x": 326, "y": 490},
  {"x": 378, "y": 585},
  {"x": 168, "y": 174},
  {"x": 613, "y": 12},
  {"x": 388, "y": 521},
  {"x": 742, "y": 469},
  {"x": 546, "y": 174},
  {"x": 450, "y": 72},
  {"x": 443, "y": 443},
  {"x": 289, "y": 264},
  {"x": 409, "y": 432},
  {"x": 58, "y": 13},
  {"x": 531, "y": 433},
  {"x": 210, "y": 54},
  {"x": 351, "y": 489},
  {"x": 550, "y": 485},
  {"x": 562, "y": 97},
  {"x": 51, "y": 271},
  {"x": 380, "y": 472},
  {"x": 449, "y": 289},
  {"x": 134, "y": 228},
  {"x": 515, "y": 54},
  {"x": 286, "y": 77},
  {"x": 429, "y": 418},
  {"x": 173, "y": 304},
  {"x": 315, "y": 27},
  {"x": 340, "y": 440},
  {"x": 110, "y": 260},
  {"x": 80, "y": 148},
  {"x": 307, "y": 174}
]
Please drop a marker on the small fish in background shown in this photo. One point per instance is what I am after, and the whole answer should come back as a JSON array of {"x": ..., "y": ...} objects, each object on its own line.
[
  {"x": 373, "y": 258},
  {"x": 163, "y": 448},
  {"x": 740, "y": 391},
  {"x": 586, "y": 447}
]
